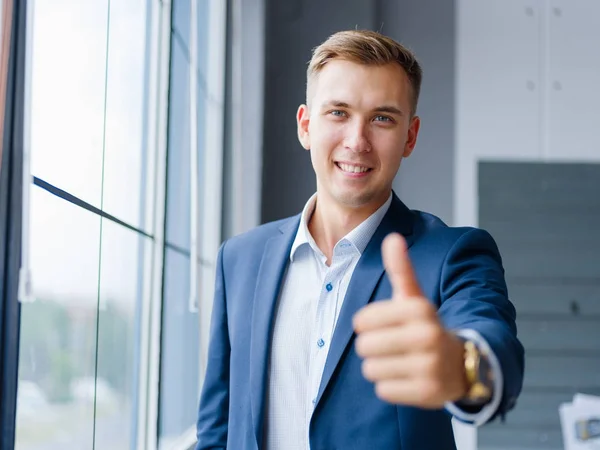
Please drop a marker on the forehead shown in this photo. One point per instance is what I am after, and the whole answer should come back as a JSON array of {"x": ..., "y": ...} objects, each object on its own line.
[{"x": 360, "y": 83}]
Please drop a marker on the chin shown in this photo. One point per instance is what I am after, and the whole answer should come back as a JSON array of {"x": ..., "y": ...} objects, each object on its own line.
[{"x": 355, "y": 199}]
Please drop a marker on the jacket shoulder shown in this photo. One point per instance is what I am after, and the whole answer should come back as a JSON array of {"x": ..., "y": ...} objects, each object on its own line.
[
  {"x": 431, "y": 229},
  {"x": 251, "y": 243}
]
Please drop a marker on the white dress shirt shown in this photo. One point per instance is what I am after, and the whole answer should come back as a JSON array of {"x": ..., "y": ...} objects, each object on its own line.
[{"x": 309, "y": 305}]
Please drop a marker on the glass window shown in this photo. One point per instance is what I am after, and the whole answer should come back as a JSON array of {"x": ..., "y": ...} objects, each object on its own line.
[
  {"x": 123, "y": 282},
  {"x": 125, "y": 157},
  {"x": 88, "y": 112},
  {"x": 178, "y": 167},
  {"x": 86, "y": 338},
  {"x": 66, "y": 368},
  {"x": 178, "y": 190},
  {"x": 181, "y": 332},
  {"x": 80, "y": 360},
  {"x": 180, "y": 370},
  {"x": 68, "y": 93},
  {"x": 55, "y": 397}
]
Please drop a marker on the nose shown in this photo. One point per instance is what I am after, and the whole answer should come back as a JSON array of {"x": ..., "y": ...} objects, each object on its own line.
[{"x": 356, "y": 138}]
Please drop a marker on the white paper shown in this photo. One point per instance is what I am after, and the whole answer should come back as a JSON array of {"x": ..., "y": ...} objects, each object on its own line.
[
  {"x": 580, "y": 423},
  {"x": 586, "y": 399}
]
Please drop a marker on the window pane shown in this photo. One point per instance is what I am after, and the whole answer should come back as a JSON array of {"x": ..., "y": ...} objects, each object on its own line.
[
  {"x": 181, "y": 21},
  {"x": 178, "y": 200},
  {"x": 123, "y": 280},
  {"x": 180, "y": 380},
  {"x": 55, "y": 399},
  {"x": 125, "y": 158},
  {"x": 181, "y": 26},
  {"x": 178, "y": 190},
  {"x": 180, "y": 351},
  {"x": 68, "y": 85}
]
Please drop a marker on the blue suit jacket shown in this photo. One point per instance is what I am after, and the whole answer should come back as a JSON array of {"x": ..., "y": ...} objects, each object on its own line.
[{"x": 459, "y": 270}]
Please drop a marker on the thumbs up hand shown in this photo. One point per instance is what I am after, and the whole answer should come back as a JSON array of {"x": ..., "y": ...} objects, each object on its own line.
[{"x": 408, "y": 354}]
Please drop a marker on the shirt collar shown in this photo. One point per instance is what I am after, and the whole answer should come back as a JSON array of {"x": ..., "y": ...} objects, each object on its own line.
[{"x": 359, "y": 237}]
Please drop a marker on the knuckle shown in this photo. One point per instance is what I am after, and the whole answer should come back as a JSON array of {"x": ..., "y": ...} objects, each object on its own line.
[
  {"x": 382, "y": 391},
  {"x": 368, "y": 369},
  {"x": 366, "y": 344},
  {"x": 359, "y": 345}
]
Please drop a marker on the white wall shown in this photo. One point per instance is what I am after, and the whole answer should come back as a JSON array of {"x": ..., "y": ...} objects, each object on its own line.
[
  {"x": 526, "y": 90},
  {"x": 527, "y": 74}
]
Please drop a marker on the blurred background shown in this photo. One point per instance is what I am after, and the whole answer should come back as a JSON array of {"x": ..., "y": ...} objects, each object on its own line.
[{"x": 137, "y": 135}]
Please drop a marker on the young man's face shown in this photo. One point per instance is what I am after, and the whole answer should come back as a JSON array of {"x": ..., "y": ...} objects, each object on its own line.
[{"x": 358, "y": 128}]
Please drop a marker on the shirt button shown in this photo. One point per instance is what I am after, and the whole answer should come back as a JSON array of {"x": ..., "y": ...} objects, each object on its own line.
[
  {"x": 329, "y": 287},
  {"x": 314, "y": 401},
  {"x": 321, "y": 343}
]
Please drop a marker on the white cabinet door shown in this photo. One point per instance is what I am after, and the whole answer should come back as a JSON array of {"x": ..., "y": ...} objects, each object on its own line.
[
  {"x": 498, "y": 78},
  {"x": 573, "y": 87}
]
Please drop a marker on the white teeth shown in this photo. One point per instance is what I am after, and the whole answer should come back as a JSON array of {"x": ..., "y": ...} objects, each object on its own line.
[{"x": 352, "y": 169}]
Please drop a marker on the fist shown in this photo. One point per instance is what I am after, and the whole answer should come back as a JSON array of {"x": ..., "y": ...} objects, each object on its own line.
[{"x": 408, "y": 354}]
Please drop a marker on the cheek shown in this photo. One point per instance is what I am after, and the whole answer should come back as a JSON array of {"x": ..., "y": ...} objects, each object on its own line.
[
  {"x": 324, "y": 142},
  {"x": 390, "y": 153}
]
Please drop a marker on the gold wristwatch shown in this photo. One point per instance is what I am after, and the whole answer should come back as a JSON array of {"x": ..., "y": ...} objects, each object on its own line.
[{"x": 479, "y": 375}]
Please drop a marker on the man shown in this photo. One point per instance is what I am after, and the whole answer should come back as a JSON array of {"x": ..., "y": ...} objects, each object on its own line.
[{"x": 358, "y": 324}]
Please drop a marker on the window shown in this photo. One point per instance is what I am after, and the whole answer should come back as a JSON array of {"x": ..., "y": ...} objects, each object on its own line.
[
  {"x": 112, "y": 344},
  {"x": 92, "y": 228},
  {"x": 188, "y": 270}
]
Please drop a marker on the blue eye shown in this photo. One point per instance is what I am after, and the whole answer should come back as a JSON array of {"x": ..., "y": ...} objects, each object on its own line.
[
  {"x": 338, "y": 113},
  {"x": 383, "y": 119}
]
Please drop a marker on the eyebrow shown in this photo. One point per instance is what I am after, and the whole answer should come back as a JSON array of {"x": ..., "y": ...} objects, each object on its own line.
[{"x": 382, "y": 109}]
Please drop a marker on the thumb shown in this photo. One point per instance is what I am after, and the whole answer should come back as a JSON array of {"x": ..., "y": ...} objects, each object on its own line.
[{"x": 399, "y": 268}]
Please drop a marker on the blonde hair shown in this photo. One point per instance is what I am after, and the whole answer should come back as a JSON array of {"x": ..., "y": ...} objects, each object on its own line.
[{"x": 369, "y": 48}]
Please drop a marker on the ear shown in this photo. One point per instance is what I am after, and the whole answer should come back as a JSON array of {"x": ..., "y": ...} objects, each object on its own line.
[
  {"x": 413, "y": 132},
  {"x": 303, "y": 120}
]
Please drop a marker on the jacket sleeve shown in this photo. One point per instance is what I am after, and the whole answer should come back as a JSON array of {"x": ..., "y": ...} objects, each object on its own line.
[
  {"x": 213, "y": 412},
  {"x": 474, "y": 296}
]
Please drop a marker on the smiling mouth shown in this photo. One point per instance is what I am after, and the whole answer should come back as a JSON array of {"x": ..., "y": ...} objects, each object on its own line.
[{"x": 352, "y": 168}]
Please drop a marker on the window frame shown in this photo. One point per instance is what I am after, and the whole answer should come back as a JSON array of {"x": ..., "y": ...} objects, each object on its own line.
[
  {"x": 158, "y": 105},
  {"x": 13, "y": 55}
]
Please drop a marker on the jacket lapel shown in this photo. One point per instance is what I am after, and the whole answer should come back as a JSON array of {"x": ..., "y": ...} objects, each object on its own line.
[
  {"x": 368, "y": 272},
  {"x": 270, "y": 276}
]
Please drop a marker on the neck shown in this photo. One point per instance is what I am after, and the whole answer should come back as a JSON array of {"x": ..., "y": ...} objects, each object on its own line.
[{"x": 331, "y": 221}]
